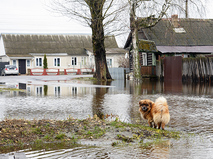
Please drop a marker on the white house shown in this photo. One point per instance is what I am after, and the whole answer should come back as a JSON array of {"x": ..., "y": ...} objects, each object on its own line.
[{"x": 66, "y": 51}]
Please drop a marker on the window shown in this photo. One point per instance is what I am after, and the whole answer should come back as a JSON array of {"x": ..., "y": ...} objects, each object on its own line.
[
  {"x": 14, "y": 62},
  {"x": 57, "y": 62},
  {"x": 28, "y": 63},
  {"x": 39, "y": 61},
  {"x": 39, "y": 91},
  {"x": 144, "y": 57},
  {"x": 109, "y": 62},
  {"x": 74, "y": 61},
  {"x": 57, "y": 91},
  {"x": 91, "y": 59},
  {"x": 83, "y": 61},
  {"x": 74, "y": 90}
]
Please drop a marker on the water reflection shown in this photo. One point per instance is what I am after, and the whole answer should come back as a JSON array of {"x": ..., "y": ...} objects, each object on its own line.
[
  {"x": 190, "y": 109},
  {"x": 98, "y": 99}
]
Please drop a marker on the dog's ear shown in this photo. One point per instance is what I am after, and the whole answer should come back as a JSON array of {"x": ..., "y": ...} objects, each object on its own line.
[{"x": 151, "y": 104}]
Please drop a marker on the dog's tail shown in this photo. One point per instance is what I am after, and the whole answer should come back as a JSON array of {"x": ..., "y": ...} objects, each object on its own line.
[
  {"x": 163, "y": 108},
  {"x": 162, "y": 101}
]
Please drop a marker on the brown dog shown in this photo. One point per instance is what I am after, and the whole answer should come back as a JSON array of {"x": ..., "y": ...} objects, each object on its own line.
[{"x": 157, "y": 113}]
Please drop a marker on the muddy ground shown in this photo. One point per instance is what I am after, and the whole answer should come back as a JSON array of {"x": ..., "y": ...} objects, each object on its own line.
[{"x": 16, "y": 134}]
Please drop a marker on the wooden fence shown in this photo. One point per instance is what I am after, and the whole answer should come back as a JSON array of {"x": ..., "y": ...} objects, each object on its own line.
[
  {"x": 55, "y": 71},
  {"x": 198, "y": 69},
  {"x": 148, "y": 71}
]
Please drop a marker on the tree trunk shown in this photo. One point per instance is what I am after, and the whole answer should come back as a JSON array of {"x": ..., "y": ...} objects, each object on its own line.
[
  {"x": 186, "y": 9},
  {"x": 101, "y": 72},
  {"x": 135, "y": 53}
]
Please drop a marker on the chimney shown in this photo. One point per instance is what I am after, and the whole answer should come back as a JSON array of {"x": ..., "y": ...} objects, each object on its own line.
[{"x": 175, "y": 20}]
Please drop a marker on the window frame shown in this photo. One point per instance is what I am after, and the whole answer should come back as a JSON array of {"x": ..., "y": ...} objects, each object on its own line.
[
  {"x": 83, "y": 60},
  {"x": 14, "y": 62},
  {"x": 57, "y": 61},
  {"x": 39, "y": 63},
  {"x": 144, "y": 58},
  {"x": 74, "y": 61},
  {"x": 28, "y": 62},
  {"x": 109, "y": 62}
]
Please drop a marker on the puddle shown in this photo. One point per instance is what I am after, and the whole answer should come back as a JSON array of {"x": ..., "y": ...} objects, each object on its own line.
[{"x": 190, "y": 109}]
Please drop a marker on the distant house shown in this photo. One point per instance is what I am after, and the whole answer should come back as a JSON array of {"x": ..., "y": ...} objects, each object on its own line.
[
  {"x": 181, "y": 37},
  {"x": 175, "y": 37},
  {"x": 67, "y": 51},
  {"x": 148, "y": 54}
]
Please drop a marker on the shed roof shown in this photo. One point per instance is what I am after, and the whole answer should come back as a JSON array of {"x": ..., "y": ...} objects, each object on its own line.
[
  {"x": 20, "y": 45},
  {"x": 147, "y": 46}
]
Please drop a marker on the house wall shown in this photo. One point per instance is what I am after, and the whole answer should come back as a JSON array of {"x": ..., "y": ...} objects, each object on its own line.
[
  {"x": 2, "y": 50},
  {"x": 3, "y": 57},
  {"x": 115, "y": 59},
  {"x": 65, "y": 62}
]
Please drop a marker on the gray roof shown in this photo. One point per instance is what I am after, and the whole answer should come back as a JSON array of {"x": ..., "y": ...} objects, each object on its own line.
[
  {"x": 21, "y": 45},
  {"x": 198, "y": 32},
  {"x": 191, "y": 35}
]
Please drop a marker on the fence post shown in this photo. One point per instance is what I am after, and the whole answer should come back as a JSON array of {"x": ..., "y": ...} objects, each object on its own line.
[
  {"x": 65, "y": 71},
  {"x": 78, "y": 71},
  {"x": 31, "y": 72},
  {"x": 44, "y": 72}
]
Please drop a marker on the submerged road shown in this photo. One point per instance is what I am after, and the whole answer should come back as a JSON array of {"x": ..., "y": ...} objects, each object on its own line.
[{"x": 46, "y": 80}]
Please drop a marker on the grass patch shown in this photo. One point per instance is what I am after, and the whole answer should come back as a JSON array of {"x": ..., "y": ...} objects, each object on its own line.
[
  {"x": 36, "y": 133},
  {"x": 60, "y": 136},
  {"x": 145, "y": 131}
]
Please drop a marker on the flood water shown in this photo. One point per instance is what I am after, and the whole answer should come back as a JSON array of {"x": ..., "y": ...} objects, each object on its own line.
[{"x": 190, "y": 105}]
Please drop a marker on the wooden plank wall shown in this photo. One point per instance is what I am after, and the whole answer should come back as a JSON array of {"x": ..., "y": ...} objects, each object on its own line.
[{"x": 198, "y": 69}]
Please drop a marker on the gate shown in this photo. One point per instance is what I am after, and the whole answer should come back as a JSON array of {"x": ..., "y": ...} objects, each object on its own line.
[
  {"x": 173, "y": 68},
  {"x": 173, "y": 74}
]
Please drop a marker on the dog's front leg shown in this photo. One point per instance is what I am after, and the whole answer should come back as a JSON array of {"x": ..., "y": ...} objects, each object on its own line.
[
  {"x": 155, "y": 125},
  {"x": 150, "y": 123}
]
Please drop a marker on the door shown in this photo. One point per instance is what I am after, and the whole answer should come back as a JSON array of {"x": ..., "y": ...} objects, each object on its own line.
[{"x": 22, "y": 66}]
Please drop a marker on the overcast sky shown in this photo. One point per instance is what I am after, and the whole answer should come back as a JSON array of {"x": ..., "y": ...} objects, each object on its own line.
[{"x": 32, "y": 16}]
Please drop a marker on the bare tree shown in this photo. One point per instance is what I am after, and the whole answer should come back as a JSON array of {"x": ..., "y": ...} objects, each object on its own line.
[
  {"x": 185, "y": 8},
  {"x": 136, "y": 23},
  {"x": 99, "y": 15},
  {"x": 123, "y": 62}
]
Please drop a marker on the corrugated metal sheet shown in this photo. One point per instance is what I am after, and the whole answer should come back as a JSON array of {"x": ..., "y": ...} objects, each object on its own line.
[{"x": 185, "y": 49}]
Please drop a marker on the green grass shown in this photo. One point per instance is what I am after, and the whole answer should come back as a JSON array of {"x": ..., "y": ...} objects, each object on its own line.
[{"x": 60, "y": 136}]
